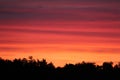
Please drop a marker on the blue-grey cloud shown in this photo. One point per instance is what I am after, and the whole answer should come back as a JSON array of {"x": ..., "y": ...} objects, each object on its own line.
[
  {"x": 54, "y": 41},
  {"x": 64, "y": 0},
  {"x": 77, "y": 33},
  {"x": 26, "y": 9}
]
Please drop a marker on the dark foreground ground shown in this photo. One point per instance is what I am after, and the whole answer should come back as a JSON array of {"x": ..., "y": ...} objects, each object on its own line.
[{"x": 30, "y": 69}]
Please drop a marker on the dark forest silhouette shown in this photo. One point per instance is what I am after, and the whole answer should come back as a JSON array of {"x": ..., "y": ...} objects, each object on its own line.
[{"x": 31, "y": 69}]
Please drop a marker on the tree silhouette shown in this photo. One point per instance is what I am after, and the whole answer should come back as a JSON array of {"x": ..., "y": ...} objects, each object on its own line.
[{"x": 31, "y": 69}]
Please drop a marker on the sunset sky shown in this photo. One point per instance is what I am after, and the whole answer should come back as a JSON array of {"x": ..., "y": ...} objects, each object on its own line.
[{"x": 61, "y": 31}]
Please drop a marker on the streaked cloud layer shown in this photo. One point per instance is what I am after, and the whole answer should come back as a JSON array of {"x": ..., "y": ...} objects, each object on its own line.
[
  {"x": 61, "y": 10},
  {"x": 60, "y": 29}
]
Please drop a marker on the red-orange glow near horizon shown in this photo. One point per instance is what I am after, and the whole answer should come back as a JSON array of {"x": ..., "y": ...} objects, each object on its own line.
[{"x": 60, "y": 31}]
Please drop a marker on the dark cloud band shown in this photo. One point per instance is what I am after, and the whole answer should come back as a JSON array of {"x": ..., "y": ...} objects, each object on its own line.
[{"x": 75, "y": 33}]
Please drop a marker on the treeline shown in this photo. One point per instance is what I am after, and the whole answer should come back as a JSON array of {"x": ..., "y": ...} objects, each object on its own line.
[{"x": 31, "y": 69}]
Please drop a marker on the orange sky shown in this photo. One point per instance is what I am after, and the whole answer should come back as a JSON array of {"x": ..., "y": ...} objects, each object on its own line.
[{"x": 60, "y": 31}]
